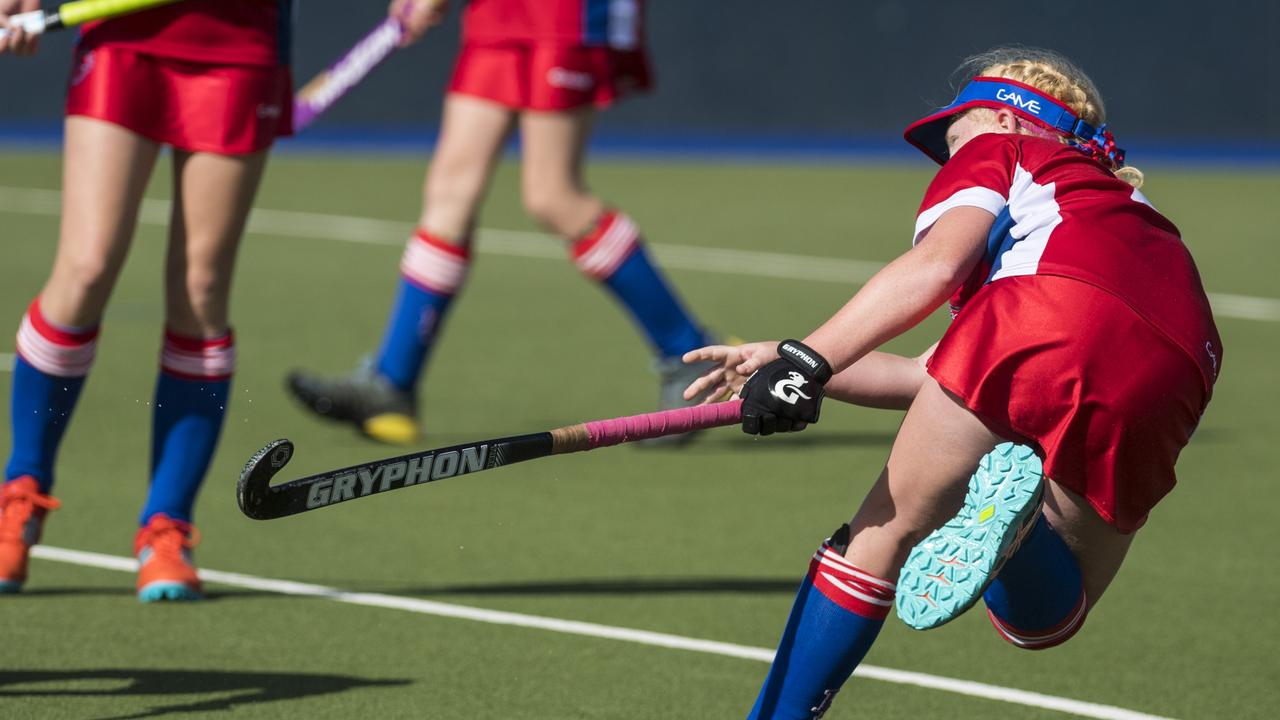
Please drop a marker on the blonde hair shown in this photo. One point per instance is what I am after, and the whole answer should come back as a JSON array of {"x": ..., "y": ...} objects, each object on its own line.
[{"x": 1052, "y": 74}]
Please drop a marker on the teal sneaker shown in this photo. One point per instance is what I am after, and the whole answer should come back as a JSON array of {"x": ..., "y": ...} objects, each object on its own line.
[{"x": 950, "y": 569}]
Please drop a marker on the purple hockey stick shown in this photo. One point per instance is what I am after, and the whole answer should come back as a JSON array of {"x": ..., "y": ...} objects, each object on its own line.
[{"x": 329, "y": 86}]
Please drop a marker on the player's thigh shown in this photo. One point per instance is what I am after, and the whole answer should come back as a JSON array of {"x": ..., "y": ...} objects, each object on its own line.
[
  {"x": 923, "y": 484},
  {"x": 552, "y": 154},
  {"x": 213, "y": 195},
  {"x": 1099, "y": 548},
  {"x": 105, "y": 172},
  {"x": 553, "y": 145},
  {"x": 472, "y": 135}
]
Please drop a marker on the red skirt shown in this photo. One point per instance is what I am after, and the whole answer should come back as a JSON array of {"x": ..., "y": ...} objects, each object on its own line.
[
  {"x": 197, "y": 107},
  {"x": 1071, "y": 369},
  {"x": 549, "y": 77}
]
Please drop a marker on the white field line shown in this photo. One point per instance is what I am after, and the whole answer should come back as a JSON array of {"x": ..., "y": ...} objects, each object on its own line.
[
  {"x": 607, "y": 632},
  {"x": 751, "y": 263},
  {"x": 6, "y": 361}
]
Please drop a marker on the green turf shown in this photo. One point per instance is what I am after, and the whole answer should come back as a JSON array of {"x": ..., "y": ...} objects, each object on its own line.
[{"x": 706, "y": 542}]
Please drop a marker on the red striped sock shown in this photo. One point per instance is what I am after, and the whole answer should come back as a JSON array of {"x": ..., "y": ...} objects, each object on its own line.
[
  {"x": 602, "y": 251},
  {"x": 192, "y": 358},
  {"x": 1049, "y": 637},
  {"x": 850, "y": 587},
  {"x": 53, "y": 349}
]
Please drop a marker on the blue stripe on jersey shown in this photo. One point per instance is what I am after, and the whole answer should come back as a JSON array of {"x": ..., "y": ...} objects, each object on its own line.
[
  {"x": 284, "y": 32},
  {"x": 595, "y": 22},
  {"x": 999, "y": 241}
]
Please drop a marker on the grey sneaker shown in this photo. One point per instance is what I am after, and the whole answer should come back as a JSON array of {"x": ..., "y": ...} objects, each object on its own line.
[
  {"x": 673, "y": 377},
  {"x": 364, "y": 398}
]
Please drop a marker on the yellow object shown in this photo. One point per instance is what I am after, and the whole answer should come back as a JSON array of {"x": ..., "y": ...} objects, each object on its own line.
[
  {"x": 987, "y": 513},
  {"x": 392, "y": 428},
  {"x": 82, "y": 11}
]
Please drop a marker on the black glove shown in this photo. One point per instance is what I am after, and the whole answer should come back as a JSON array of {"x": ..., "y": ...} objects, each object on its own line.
[{"x": 786, "y": 394}]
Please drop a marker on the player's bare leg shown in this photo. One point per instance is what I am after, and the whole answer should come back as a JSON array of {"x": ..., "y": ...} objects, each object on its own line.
[
  {"x": 552, "y": 151},
  {"x": 1098, "y": 547},
  {"x": 105, "y": 172},
  {"x": 472, "y": 136},
  {"x": 104, "y": 175},
  {"x": 213, "y": 195},
  {"x": 379, "y": 397},
  {"x": 607, "y": 245}
]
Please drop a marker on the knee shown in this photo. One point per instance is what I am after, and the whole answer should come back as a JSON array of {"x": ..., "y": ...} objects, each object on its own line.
[
  {"x": 898, "y": 522},
  {"x": 198, "y": 302},
  {"x": 552, "y": 205},
  {"x": 87, "y": 274},
  {"x": 542, "y": 202}
]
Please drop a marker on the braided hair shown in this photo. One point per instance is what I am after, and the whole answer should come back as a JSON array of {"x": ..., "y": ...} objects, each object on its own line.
[{"x": 1055, "y": 75}]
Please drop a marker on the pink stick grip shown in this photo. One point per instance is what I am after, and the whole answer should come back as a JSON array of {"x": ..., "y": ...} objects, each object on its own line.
[{"x": 667, "y": 422}]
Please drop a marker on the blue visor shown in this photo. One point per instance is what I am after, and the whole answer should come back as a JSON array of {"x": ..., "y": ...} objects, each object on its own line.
[{"x": 930, "y": 133}]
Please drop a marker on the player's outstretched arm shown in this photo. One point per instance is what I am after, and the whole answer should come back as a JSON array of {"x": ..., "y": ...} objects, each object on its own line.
[
  {"x": 417, "y": 16},
  {"x": 906, "y": 290},
  {"x": 878, "y": 380},
  {"x": 19, "y": 41}
]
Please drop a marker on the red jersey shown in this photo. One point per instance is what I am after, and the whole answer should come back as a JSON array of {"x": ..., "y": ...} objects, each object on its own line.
[
  {"x": 618, "y": 24},
  {"x": 1060, "y": 213},
  {"x": 220, "y": 32}
]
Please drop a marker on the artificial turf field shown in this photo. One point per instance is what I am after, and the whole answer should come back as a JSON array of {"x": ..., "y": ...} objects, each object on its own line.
[{"x": 706, "y": 542}]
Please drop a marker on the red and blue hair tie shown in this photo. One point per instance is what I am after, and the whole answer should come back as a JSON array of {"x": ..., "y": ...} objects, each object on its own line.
[{"x": 1102, "y": 147}]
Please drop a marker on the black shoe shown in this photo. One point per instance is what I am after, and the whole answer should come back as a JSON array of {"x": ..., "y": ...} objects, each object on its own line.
[{"x": 364, "y": 398}]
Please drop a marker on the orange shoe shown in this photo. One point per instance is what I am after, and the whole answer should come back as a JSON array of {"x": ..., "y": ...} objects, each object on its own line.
[
  {"x": 22, "y": 511},
  {"x": 165, "y": 572}
]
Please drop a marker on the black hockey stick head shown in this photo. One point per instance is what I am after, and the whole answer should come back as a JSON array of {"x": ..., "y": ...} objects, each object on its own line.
[{"x": 253, "y": 491}]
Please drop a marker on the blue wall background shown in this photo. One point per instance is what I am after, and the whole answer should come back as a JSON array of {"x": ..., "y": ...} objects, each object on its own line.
[{"x": 1185, "y": 74}]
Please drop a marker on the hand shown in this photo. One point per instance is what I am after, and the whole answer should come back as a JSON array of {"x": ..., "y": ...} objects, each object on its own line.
[
  {"x": 737, "y": 363},
  {"x": 18, "y": 41},
  {"x": 786, "y": 394},
  {"x": 418, "y": 16}
]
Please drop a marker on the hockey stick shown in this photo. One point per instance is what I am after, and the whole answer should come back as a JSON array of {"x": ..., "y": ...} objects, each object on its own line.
[
  {"x": 330, "y": 86},
  {"x": 38, "y": 22},
  {"x": 261, "y": 501}
]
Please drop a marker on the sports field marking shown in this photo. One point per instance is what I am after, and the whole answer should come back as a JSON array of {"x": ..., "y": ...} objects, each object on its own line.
[
  {"x": 606, "y": 632},
  {"x": 751, "y": 263},
  {"x": 6, "y": 361}
]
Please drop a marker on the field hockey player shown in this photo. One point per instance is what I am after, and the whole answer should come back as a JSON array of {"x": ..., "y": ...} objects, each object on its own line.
[
  {"x": 1042, "y": 429},
  {"x": 139, "y": 83},
  {"x": 545, "y": 66}
]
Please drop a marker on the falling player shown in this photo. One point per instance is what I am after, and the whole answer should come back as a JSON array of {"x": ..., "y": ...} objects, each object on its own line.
[{"x": 1082, "y": 350}]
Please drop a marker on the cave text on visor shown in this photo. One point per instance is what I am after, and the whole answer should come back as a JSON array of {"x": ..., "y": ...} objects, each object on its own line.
[{"x": 929, "y": 134}]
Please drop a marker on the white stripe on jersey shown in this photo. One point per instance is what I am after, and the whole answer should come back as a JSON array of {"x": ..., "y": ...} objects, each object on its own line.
[
  {"x": 1034, "y": 211},
  {"x": 979, "y": 197}
]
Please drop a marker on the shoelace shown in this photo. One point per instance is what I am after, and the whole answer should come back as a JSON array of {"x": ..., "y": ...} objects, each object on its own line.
[
  {"x": 169, "y": 537},
  {"x": 16, "y": 507}
]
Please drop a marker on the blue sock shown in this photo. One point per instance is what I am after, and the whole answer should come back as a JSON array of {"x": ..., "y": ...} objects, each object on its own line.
[
  {"x": 1037, "y": 601},
  {"x": 47, "y": 377},
  {"x": 190, "y": 404},
  {"x": 836, "y": 617},
  {"x": 614, "y": 254},
  {"x": 41, "y": 409},
  {"x": 431, "y": 273}
]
